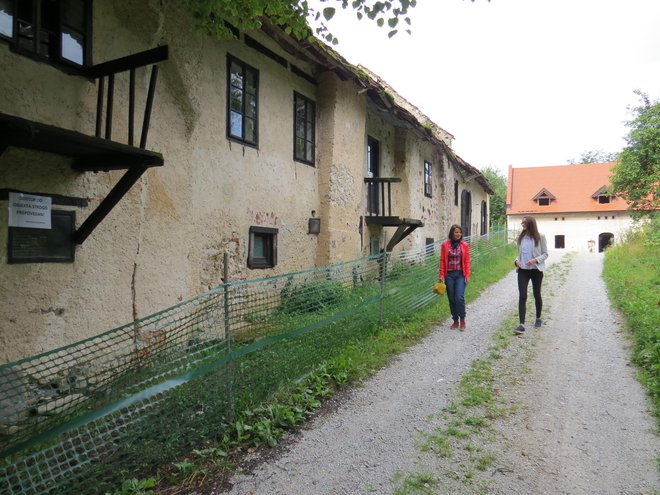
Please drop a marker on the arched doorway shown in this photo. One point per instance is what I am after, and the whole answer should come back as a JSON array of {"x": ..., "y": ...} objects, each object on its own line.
[{"x": 604, "y": 240}]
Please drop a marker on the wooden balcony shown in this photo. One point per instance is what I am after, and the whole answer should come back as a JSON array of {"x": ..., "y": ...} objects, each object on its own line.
[
  {"x": 99, "y": 152},
  {"x": 379, "y": 209}
]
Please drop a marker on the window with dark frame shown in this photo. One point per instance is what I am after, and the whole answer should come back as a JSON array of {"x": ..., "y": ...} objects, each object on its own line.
[
  {"x": 304, "y": 129},
  {"x": 428, "y": 185},
  {"x": 58, "y": 31},
  {"x": 455, "y": 193},
  {"x": 242, "y": 102},
  {"x": 603, "y": 199},
  {"x": 543, "y": 201},
  {"x": 262, "y": 249},
  {"x": 559, "y": 241}
]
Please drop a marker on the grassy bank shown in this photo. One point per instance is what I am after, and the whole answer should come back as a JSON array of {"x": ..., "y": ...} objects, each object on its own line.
[
  {"x": 263, "y": 426},
  {"x": 632, "y": 274}
]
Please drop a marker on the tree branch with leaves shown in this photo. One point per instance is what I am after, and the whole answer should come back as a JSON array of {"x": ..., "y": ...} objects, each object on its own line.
[
  {"x": 216, "y": 17},
  {"x": 636, "y": 177}
]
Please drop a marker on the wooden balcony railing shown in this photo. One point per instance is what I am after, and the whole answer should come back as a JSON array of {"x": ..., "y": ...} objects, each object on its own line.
[{"x": 379, "y": 195}]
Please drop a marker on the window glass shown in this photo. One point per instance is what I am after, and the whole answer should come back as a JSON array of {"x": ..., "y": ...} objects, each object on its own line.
[
  {"x": 72, "y": 47},
  {"x": 250, "y": 130},
  {"x": 250, "y": 106},
  {"x": 6, "y": 18},
  {"x": 236, "y": 99},
  {"x": 236, "y": 124},
  {"x": 300, "y": 147},
  {"x": 259, "y": 250}
]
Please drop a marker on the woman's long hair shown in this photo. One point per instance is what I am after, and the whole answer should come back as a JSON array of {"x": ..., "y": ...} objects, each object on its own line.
[
  {"x": 531, "y": 230},
  {"x": 451, "y": 232}
]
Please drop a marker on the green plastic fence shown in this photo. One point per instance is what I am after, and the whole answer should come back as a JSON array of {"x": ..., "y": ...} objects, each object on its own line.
[{"x": 81, "y": 418}]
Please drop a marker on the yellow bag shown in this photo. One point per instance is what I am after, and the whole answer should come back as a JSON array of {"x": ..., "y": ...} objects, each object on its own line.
[{"x": 439, "y": 288}]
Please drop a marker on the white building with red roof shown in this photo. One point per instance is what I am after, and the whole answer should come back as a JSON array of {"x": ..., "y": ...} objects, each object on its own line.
[{"x": 571, "y": 204}]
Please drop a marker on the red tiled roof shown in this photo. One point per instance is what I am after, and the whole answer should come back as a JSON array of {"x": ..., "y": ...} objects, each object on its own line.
[{"x": 572, "y": 186}]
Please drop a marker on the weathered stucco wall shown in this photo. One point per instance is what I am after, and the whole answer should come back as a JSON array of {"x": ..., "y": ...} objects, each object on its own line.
[
  {"x": 341, "y": 151},
  {"x": 165, "y": 240}
]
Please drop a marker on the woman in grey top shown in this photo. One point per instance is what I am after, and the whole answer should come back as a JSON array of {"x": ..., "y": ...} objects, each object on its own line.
[{"x": 530, "y": 263}]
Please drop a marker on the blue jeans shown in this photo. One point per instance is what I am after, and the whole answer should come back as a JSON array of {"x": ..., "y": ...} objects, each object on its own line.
[{"x": 456, "y": 294}]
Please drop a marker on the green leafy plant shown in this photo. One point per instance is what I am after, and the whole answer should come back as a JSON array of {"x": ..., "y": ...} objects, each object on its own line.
[{"x": 136, "y": 487}]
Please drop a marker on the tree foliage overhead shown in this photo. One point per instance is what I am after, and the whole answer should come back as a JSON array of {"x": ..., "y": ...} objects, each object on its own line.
[
  {"x": 294, "y": 16},
  {"x": 637, "y": 175},
  {"x": 498, "y": 199},
  {"x": 595, "y": 156}
]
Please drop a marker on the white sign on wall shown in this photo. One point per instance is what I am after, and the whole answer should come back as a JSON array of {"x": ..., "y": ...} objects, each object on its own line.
[{"x": 28, "y": 210}]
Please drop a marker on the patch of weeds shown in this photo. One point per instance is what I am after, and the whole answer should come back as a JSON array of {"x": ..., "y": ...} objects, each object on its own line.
[
  {"x": 476, "y": 384},
  {"x": 417, "y": 483},
  {"x": 476, "y": 422},
  {"x": 483, "y": 462},
  {"x": 184, "y": 470},
  {"x": 455, "y": 432},
  {"x": 438, "y": 443},
  {"x": 136, "y": 487}
]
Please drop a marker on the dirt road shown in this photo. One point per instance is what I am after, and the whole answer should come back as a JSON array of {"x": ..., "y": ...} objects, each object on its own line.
[{"x": 577, "y": 421}]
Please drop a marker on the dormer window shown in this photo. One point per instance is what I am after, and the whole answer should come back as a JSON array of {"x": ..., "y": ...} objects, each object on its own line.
[
  {"x": 544, "y": 198},
  {"x": 601, "y": 196}
]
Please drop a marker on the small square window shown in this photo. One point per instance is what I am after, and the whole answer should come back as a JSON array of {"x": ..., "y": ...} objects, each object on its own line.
[
  {"x": 544, "y": 201},
  {"x": 262, "y": 247}
]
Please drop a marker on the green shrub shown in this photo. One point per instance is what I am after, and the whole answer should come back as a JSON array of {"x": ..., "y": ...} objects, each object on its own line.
[{"x": 311, "y": 296}]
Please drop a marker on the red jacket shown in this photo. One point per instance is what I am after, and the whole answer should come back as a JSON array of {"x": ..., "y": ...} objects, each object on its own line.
[{"x": 465, "y": 259}]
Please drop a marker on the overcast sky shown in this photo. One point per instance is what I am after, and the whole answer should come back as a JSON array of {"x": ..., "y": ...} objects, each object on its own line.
[{"x": 520, "y": 82}]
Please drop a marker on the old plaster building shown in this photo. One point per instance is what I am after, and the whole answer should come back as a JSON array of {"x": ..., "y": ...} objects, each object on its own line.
[
  {"x": 135, "y": 153},
  {"x": 571, "y": 205}
]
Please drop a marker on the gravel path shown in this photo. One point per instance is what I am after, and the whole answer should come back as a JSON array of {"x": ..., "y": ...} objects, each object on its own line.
[{"x": 578, "y": 421}]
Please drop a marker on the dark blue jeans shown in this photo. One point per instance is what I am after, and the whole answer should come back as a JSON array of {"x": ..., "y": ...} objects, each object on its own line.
[{"x": 456, "y": 294}]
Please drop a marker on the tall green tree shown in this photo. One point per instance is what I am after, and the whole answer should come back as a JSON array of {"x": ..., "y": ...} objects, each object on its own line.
[
  {"x": 595, "y": 156},
  {"x": 294, "y": 16},
  {"x": 636, "y": 177},
  {"x": 497, "y": 200}
]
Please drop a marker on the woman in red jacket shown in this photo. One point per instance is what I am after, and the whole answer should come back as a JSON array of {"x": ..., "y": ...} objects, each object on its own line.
[{"x": 455, "y": 273}]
